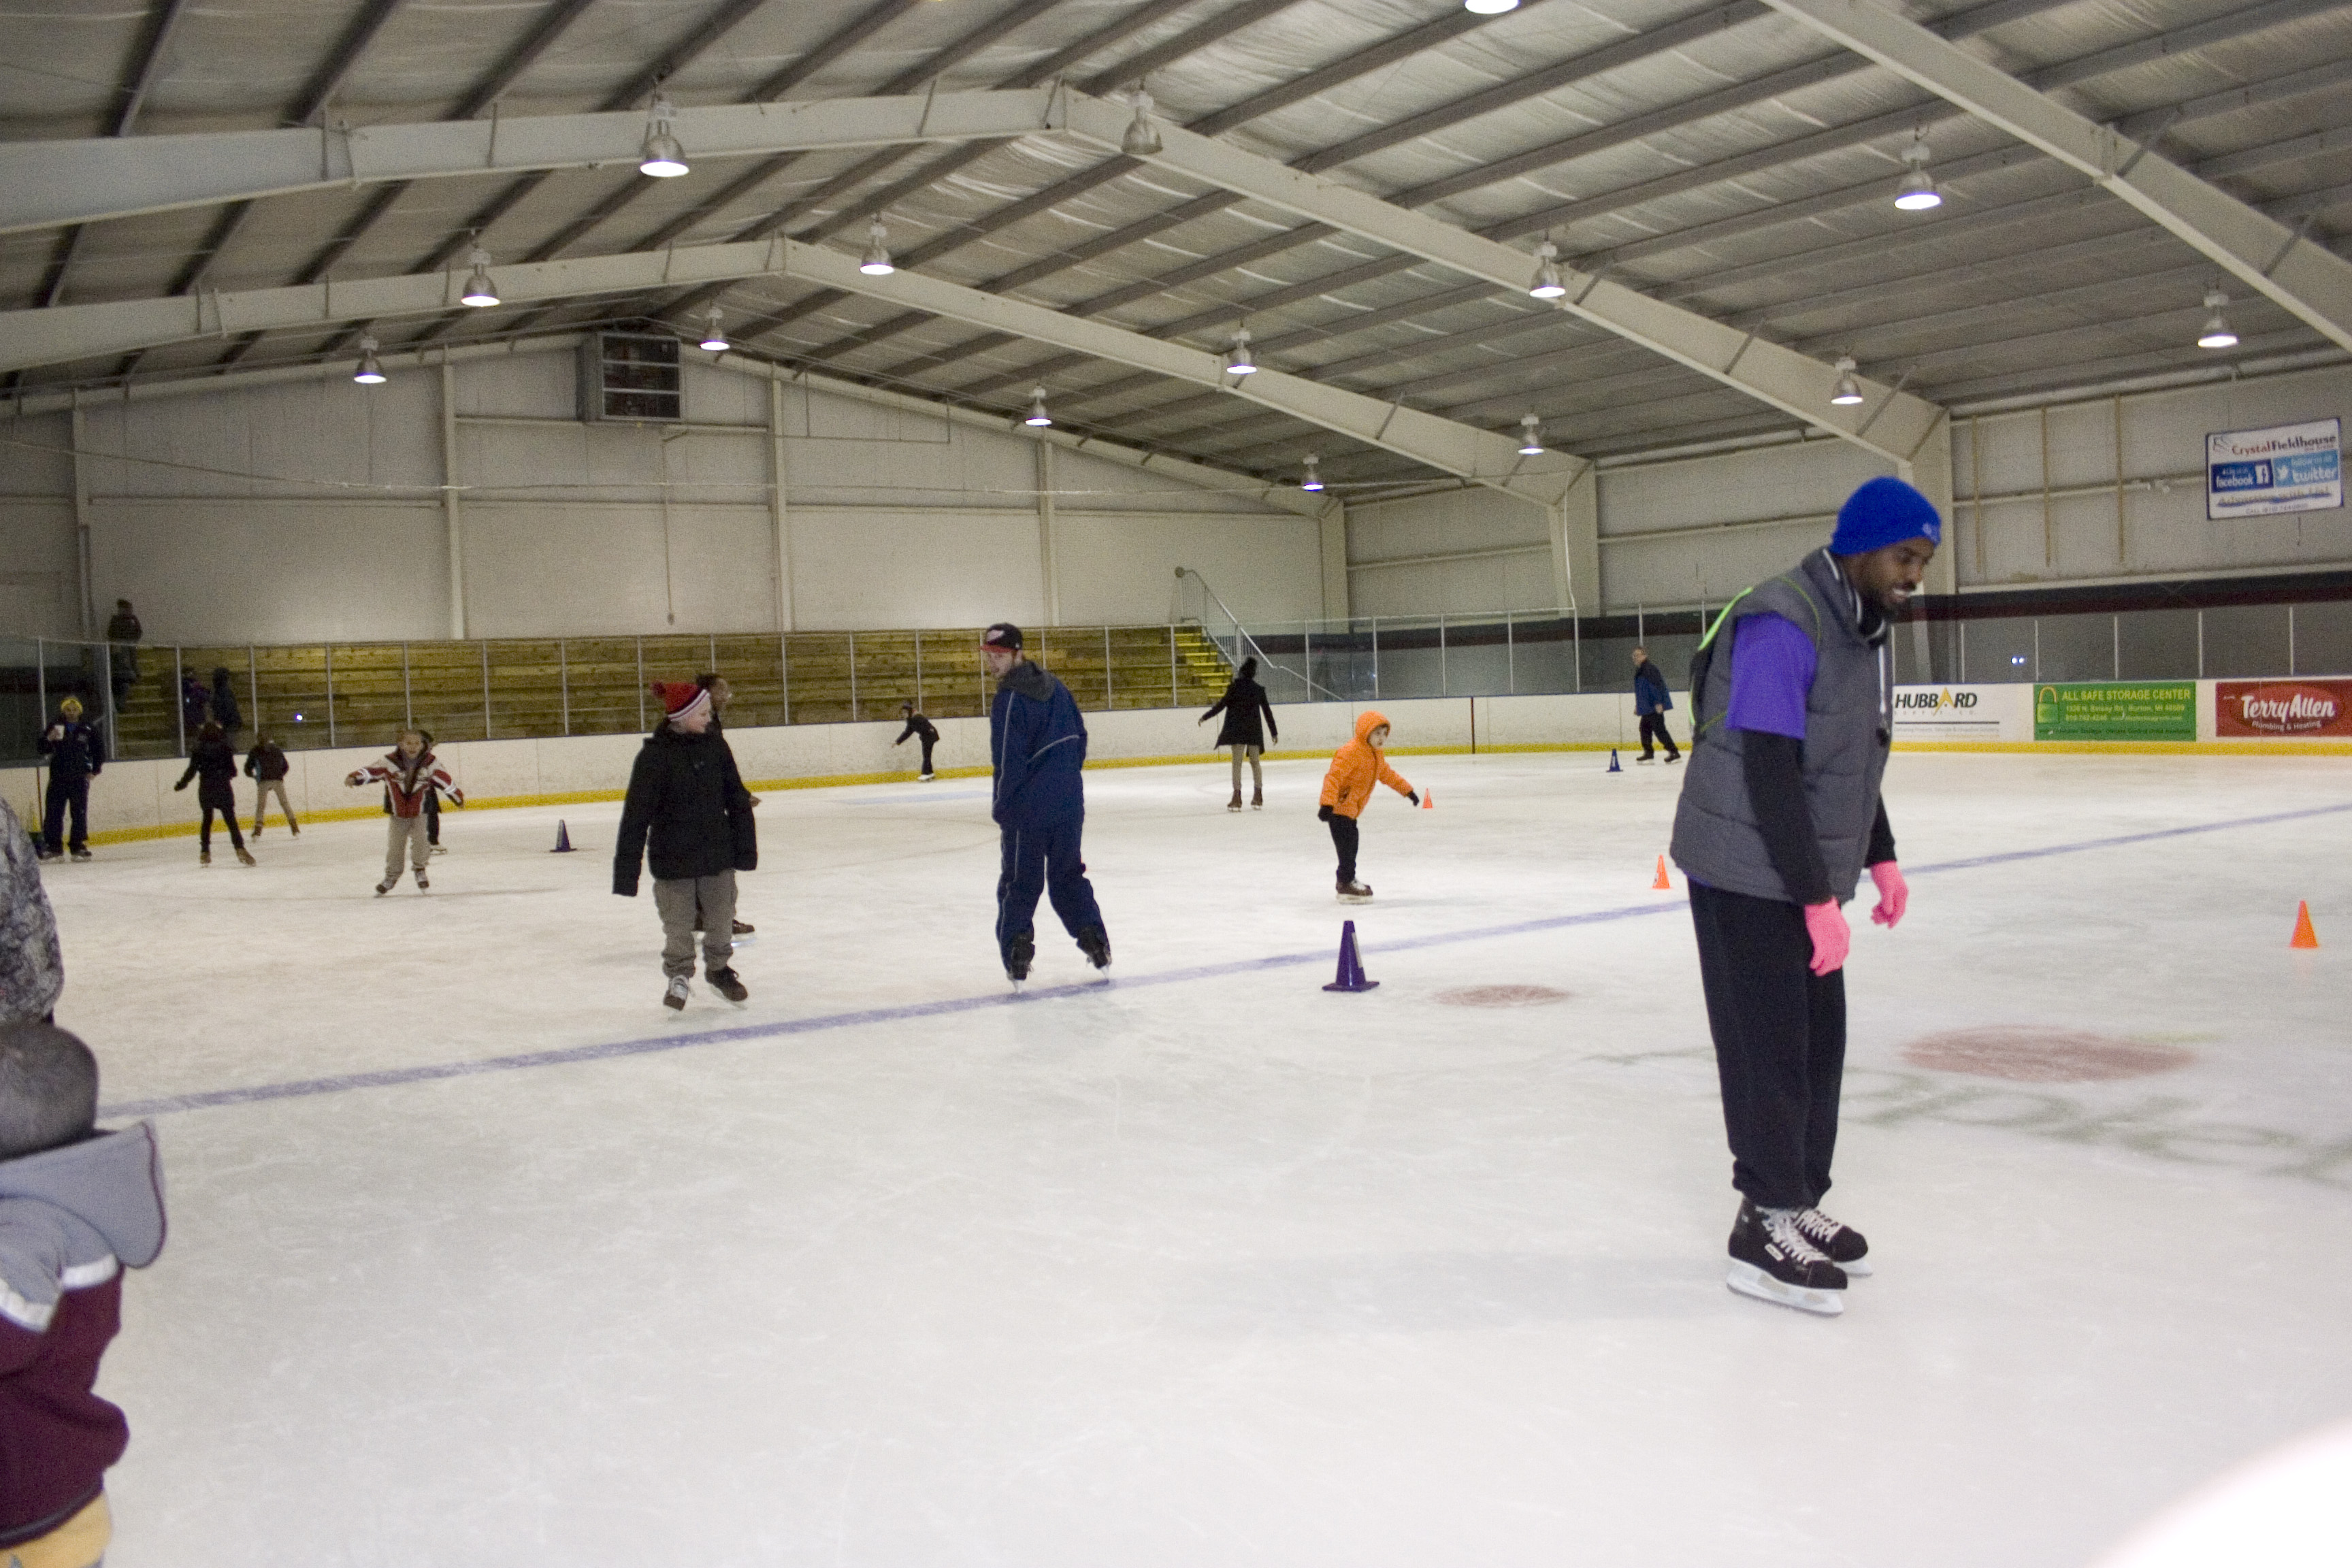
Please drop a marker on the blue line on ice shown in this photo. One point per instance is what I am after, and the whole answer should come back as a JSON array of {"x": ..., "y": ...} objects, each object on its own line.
[{"x": 390, "y": 1077}]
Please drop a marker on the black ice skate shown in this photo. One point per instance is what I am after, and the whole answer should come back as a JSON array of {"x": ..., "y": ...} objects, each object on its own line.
[
  {"x": 204, "y": 856},
  {"x": 1842, "y": 1243},
  {"x": 81, "y": 854},
  {"x": 424, "y": 884},
  {"x": 243, "y": 855},
  {"x": 727, "y": 985},
  {"x": 385, "y": 886},
  {"x": 1257, "y": 800},
  {"x": 1234, "y": 804},
  {"x": 1095, "y": 943},
  {"x": 1772, "y": 1260},
  {"x": 680, "y": 989},
  {"x": 1019, "y": 954},
  {"x": 742, "y": 928},
  {"x": 1355, "y": 893}
]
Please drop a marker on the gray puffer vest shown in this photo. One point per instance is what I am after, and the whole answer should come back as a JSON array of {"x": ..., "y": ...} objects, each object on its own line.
[{"x": 1849, "y": 720}]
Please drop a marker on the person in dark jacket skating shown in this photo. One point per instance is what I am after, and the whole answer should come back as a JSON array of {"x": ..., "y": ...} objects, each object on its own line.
[
  {"x": 918, "y": 727},
  {"x": 265, "y": 765},
  {"x": 77, "y": 754},
  {"x": 1249, "y": 722},
  {"x": 1037, "y": 745},
  {"x": 76, "y": 1205},
  {"x": 1650, "y": 703},
  {"x": 212, "y": 763},
  {"x": 689, "y": 817},
  {"x": 1792, "y": 699}
]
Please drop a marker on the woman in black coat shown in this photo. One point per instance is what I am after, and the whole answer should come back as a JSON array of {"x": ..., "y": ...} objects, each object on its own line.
[
  {"x": 212, "y": 762},
  {"x": 1244, "y": 705},
  {"x": 224, "y": 704}
]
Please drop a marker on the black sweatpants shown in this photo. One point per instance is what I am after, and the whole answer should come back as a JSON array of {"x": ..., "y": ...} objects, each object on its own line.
[
  {"x": 1655, "y": 724},
  {"x": 65, "y": 795},
  {"x": 1779, "y": 1044},
  {"x": 928, "y": 744},
  {"x": 1344, "y": 837}
]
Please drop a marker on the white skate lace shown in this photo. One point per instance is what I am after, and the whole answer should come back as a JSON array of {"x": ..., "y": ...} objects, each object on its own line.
[
  {"x": 1786, "y": 1228},
  {"x": 1817, "y": 1224}
]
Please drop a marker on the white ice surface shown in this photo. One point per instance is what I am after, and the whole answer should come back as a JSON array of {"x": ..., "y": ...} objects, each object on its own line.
[{"x": 1218, "y": 1271}]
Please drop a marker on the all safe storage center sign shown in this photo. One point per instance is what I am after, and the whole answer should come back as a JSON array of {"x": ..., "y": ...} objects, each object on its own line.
[{"x": 2287, "y": 468}]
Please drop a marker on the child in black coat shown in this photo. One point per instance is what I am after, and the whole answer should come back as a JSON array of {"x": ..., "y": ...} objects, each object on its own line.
[
  {"x": 212, "y": 762},
  {"x": 689, "y": 815}
]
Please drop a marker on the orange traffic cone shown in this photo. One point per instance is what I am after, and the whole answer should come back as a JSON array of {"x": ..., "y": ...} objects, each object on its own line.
[
  {"x": 1662, "y": 884},
  {"x": 2303, "y": 935},
  {"x": 1428, "y": 801}
]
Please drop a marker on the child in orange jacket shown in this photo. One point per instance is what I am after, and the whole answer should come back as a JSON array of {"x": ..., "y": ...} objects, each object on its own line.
[{"x": 1348, "y": 789}]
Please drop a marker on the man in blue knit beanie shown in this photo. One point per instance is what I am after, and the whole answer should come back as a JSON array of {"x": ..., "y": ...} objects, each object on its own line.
[{"x": 1792, "y": 714}]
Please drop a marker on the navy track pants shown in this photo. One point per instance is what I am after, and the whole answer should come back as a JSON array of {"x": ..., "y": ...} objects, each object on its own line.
[{"x": 1044, "y": 860}]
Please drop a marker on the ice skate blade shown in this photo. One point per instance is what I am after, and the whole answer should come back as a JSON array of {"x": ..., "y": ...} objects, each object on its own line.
[
  {"x": 1858, "y": 1270},
  {"x": 1355, "y": 897},
  {"x": 1747, "y": 1279}
]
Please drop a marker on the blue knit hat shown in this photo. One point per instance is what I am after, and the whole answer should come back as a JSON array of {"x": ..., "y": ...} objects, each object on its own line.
[{"x": 1883, "y": 512}]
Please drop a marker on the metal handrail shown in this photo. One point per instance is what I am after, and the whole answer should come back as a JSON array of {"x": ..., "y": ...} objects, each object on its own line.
[{"x": 1240, "y": 635}]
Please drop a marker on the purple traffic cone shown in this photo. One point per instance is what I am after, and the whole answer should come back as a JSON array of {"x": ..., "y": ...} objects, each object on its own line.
[
  {"x": 1351, "y": 966},
  {"x": 1613, "y": 761},
  {"x": 562, "y": 839}
]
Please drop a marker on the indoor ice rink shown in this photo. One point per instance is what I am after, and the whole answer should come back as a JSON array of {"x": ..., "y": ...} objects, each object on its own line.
[{"x": 494, "y": 369}]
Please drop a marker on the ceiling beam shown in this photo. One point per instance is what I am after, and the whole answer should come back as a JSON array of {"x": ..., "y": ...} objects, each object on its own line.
[
  {"x": 1889, "y": 422},
  {"x": 2312, "y": 283},
  {"x": 78, "y": 331},
  {"x": 47, "y": 183}
]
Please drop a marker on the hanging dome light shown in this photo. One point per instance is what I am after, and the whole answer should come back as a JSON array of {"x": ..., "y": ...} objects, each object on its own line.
[
  {"x": 1530, "y": 437},
  {"x": 480, "y": 293},
  {"x": 713, "y": 338},
  {"x": 876, "y": 263},
  {"x": 1313, "y": 480},
  {"x": 1238, "y": 361},
  {"x": 1546, "y": 283},
  {"x": 1489, "y": 7},
  {"x": 663, "y": 158},
  {"x": 2217, "y": 333},
  {"x": 1847, "y": 390},
  {"x": 1918, "y": 192},
  {"x": 1142, "y": 138},
  {"x": 1038, "y": 417},
  {"x": 370, "y": 373}
]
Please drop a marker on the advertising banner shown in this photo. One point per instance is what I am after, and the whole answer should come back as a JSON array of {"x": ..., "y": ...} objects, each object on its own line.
[
  {"x": 2287, "y": 468},
  {"x": 2115, "y": 710},
  {"x": 2316, "y": 708},
  {"x": 1958, "y": 713}
]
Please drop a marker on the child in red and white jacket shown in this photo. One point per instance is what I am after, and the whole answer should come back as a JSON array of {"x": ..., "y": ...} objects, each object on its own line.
[
  {"x": 408, "y": 773},
  {"x": 76, "y": 1205}
]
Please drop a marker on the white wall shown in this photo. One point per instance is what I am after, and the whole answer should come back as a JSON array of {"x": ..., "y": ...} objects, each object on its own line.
[
  {"x": 1492, "y": 553},
  {"x": 312, "y": 510}
]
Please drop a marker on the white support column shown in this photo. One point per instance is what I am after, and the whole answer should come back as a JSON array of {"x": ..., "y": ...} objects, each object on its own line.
[
  {"x": 87, "y": 603},
  {"x": 779, "y": 514},
  {"x": 1048, "y": 565},
  {"x": 1928, "y": 470},
  {"x": 1574, "y": 523},
  {"x": 2307, "y": 279},
  {"x": 1333, "y": 527},
  {"x": 452, "y": 517}
]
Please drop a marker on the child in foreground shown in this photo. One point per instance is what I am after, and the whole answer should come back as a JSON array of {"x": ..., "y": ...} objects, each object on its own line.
[
  {"x": 75, "y": 1205},
  {"x": 1348, "y": 789},
  {"x": 410, "y": 774}
]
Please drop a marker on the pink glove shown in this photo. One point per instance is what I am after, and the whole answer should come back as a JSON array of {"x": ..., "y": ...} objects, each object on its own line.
[
  {"x": 1825, "y": 923},
  {"x": 1893, "y": 894}
]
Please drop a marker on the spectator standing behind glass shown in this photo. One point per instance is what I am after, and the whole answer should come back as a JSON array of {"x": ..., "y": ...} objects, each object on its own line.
[
  {"x": 224, "y": 704},
  {"x": 124, "y": 632},
  {"x": 212, "y": 762},
  {"x": 195, "y": 705}
]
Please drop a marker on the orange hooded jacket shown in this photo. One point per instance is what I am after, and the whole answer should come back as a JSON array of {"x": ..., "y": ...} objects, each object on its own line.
[{"x": 1354, "y": 767}]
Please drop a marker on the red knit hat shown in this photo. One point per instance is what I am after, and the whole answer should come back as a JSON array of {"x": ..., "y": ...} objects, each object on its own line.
[{"x": 681, "y": 699}]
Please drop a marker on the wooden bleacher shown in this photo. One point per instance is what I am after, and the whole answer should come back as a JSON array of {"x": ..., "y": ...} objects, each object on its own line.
[{"x": 362, "y": 694}]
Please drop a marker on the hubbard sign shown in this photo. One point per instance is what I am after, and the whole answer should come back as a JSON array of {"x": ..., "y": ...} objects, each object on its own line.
[{"x": 2115, "y": 710}]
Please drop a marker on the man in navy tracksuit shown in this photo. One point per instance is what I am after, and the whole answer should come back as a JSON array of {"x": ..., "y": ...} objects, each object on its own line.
[{"x": 1037, "y": 744}]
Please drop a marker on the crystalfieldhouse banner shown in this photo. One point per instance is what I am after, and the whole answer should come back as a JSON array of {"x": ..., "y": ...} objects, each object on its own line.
[
  {"x": 2295, "y": 707},
  {"x": 2115, "y": 710},
  {"x": 2287, "y": 468}
]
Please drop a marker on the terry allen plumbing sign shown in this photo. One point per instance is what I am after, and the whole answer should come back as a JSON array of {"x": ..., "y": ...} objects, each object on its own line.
[
  {"x": 2298, "y": 707},
  {"x": 2287, "y": 468}
]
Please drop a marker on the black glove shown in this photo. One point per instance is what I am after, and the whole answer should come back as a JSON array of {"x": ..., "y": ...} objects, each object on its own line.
[
  {"x": 182, "y": 785},
  {"x": 1412, "y": 797},
  {"x": 1323, "y": 814}
]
